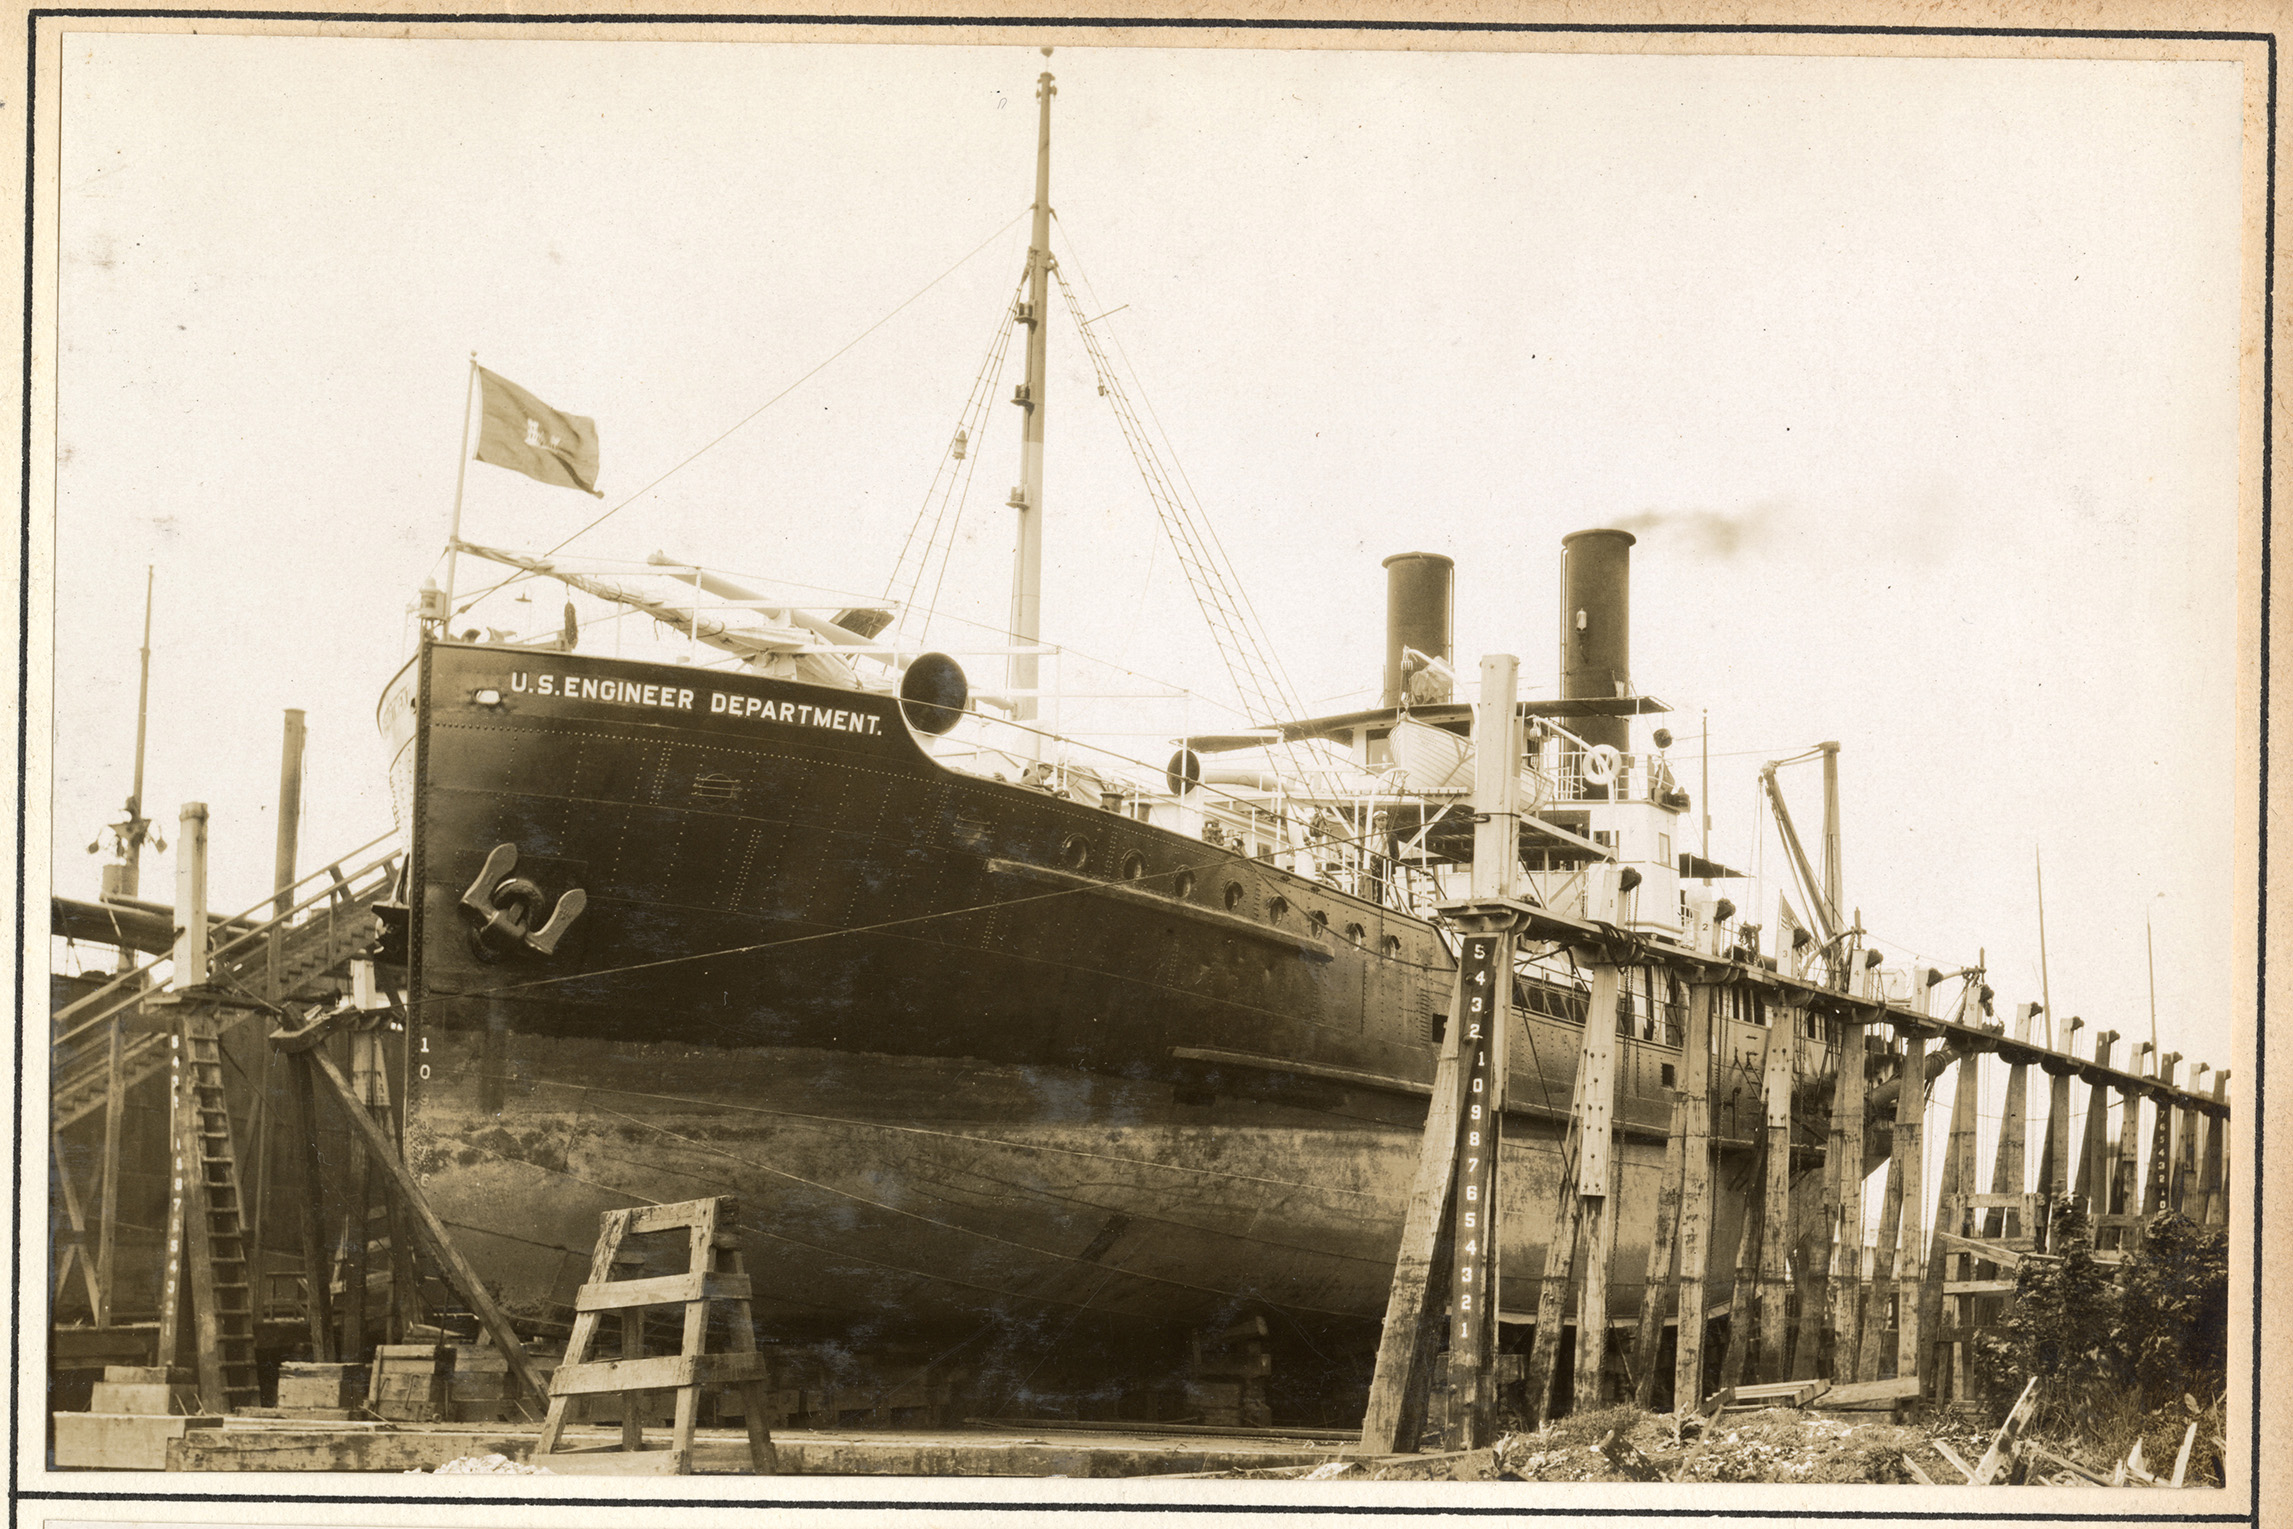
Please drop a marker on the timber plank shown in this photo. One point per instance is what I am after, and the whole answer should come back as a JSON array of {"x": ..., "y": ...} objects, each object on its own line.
[
  {"x": 666, "y": 1289},
  {"x": 663, "y": 1372}
]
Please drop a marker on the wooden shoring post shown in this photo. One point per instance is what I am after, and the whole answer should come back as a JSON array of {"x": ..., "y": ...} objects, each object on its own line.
[
  {"x": 1743, "y": 1300},
  {"x": 2093, "y": 1175},
  {"x": 1449, "y": 1253},
  {"x": 1827, "y": 1263},
  {"x": 1421, "y": 1273},
  {"x": 1663, "y": 1245},
  {"x": 2054, "y": 1158},
  {"x": 107, "y": 1191},
  {"x": 1589, "y": 1107},
  {"x": 1668, "y": 1248},
  {"x": 172, "y": 1294},
  {"x": 2011, "y": 1166},
  {"x": 2184, "y": 1182},
  {"x": 2126, "y": 1164},
  {"x": 318, "y": 1301},
  {"x": 1843, "y": 1198},
  {"x": 1695, "y": 1199},
  {"x": 1775, "y": 1215},
  {"x": 1485, "y": 985},
  {"x": 2161, "y": 1142},
  {"x": 1910, "y": 1149},
  {"x": 2213, "y": 1195},
  {"x": 1596, "y": 1179},
  {"x": 259, "y": 1126},
  {"x": 1871, "y": 1351},
  {"x": 1952, "y": 1195},
  {"x": 1813, "y": 1254},
  {"x": 359, "y": 1224}
]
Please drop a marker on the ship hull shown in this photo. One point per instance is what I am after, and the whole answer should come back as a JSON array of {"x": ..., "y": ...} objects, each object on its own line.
[{"x": 973, "y": 1057}]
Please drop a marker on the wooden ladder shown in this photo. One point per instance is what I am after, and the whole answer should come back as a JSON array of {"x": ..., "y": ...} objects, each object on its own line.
[
  {"x": 714, "y": 1274},
  {"x": 222, "y": 1293}
]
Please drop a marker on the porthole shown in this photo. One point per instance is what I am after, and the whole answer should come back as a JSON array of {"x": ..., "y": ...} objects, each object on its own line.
[
  {"x": 1275, "y": 908},
  {"x": 1075, "y": 852},
  {"x": 1233, "y": 895},
  {"x": 1134, "y": 866},
  {"x": 1392, "y": 946},
  {"x": 1320, "y": 921},
  {"x": 1356, "y": 933},
  {"x": 1183, "y": 885}
]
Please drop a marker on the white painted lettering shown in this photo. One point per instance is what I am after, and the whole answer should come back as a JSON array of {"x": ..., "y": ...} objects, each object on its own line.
[
  {"x": 519, "y": 681},
  {"x": 684, "y": 700},
  {"x": 647, "y": 696},
  {"x": 548, "y": 684},
  {"x": 717, "y": 702}
]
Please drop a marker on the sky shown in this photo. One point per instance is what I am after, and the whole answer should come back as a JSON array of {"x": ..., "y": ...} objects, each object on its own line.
[{"x": 1916, "y": 379}]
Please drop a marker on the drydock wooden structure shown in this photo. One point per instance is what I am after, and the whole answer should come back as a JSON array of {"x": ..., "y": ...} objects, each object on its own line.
[{"x": 1806, "y": 1296}]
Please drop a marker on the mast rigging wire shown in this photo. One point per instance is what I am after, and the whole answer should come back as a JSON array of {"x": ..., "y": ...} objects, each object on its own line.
[
  {"x": 971, "y": 426},
  {"x": 819, "y": 367}
]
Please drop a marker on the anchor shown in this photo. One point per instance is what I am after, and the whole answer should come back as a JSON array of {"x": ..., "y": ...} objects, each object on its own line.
[{"x": 504, "y": 906}]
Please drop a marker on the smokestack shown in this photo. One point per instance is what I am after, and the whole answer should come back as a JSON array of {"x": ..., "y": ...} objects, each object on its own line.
[
  {"x": 1417, "y": 586},
  {"x": 1596, "y": 628}
]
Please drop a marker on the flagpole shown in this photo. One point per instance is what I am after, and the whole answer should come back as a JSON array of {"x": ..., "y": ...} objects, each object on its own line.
[
  {"x": 461, "y": 472},
  {"x": 2045, "y": 991}
]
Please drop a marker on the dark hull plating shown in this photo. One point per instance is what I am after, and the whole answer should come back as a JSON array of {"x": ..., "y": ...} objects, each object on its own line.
[{"x": 970, "y": 1053}]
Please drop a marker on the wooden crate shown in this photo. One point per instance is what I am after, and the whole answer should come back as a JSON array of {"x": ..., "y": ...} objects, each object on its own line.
[
  {"x": 323, "y": 1386},
  {"x": 409, "y": 1383}
]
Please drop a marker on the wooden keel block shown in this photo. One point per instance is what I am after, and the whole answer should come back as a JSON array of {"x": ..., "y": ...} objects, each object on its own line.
[
  {"x": 122, "y": 1441},
  {"x": 156, "y": 1400}
]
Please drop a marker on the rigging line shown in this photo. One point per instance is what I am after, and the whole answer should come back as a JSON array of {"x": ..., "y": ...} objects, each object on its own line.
[
  {"x": 792, "y": 387},
  {"x": 962, "y": 468},
  {"x": 1280, "y": 673},
  {"x": 1241, "y": 647},
  {"x": 974, "y": 409},
  {"x": 963, "y": 494}
]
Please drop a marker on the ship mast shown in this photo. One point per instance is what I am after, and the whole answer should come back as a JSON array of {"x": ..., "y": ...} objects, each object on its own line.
[
  {"x": 138, "y": 826},
  {"x": 1027, "y": 499}
]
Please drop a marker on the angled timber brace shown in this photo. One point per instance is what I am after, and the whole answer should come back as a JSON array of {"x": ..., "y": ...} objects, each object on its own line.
[{"x": 316, "y": 1073}]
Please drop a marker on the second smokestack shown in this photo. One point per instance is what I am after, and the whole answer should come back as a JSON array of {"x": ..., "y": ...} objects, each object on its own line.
[
  {"x": 1417, "y": 597},
  {"x": 1596, "y": 629}
]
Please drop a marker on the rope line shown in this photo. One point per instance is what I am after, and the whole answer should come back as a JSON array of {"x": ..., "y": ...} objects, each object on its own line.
[{"x": 832, "y": 358}]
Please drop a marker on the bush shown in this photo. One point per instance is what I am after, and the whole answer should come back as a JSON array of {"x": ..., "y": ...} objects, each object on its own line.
[
  {"x": 2174, "y": 1313},
  {"x": 2061, "y": 1328},
  {"x": 2116, "y": 1348}
]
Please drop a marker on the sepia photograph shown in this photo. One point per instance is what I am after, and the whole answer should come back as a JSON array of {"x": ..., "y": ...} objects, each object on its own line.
[{"x": 1322, "y": 768}]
